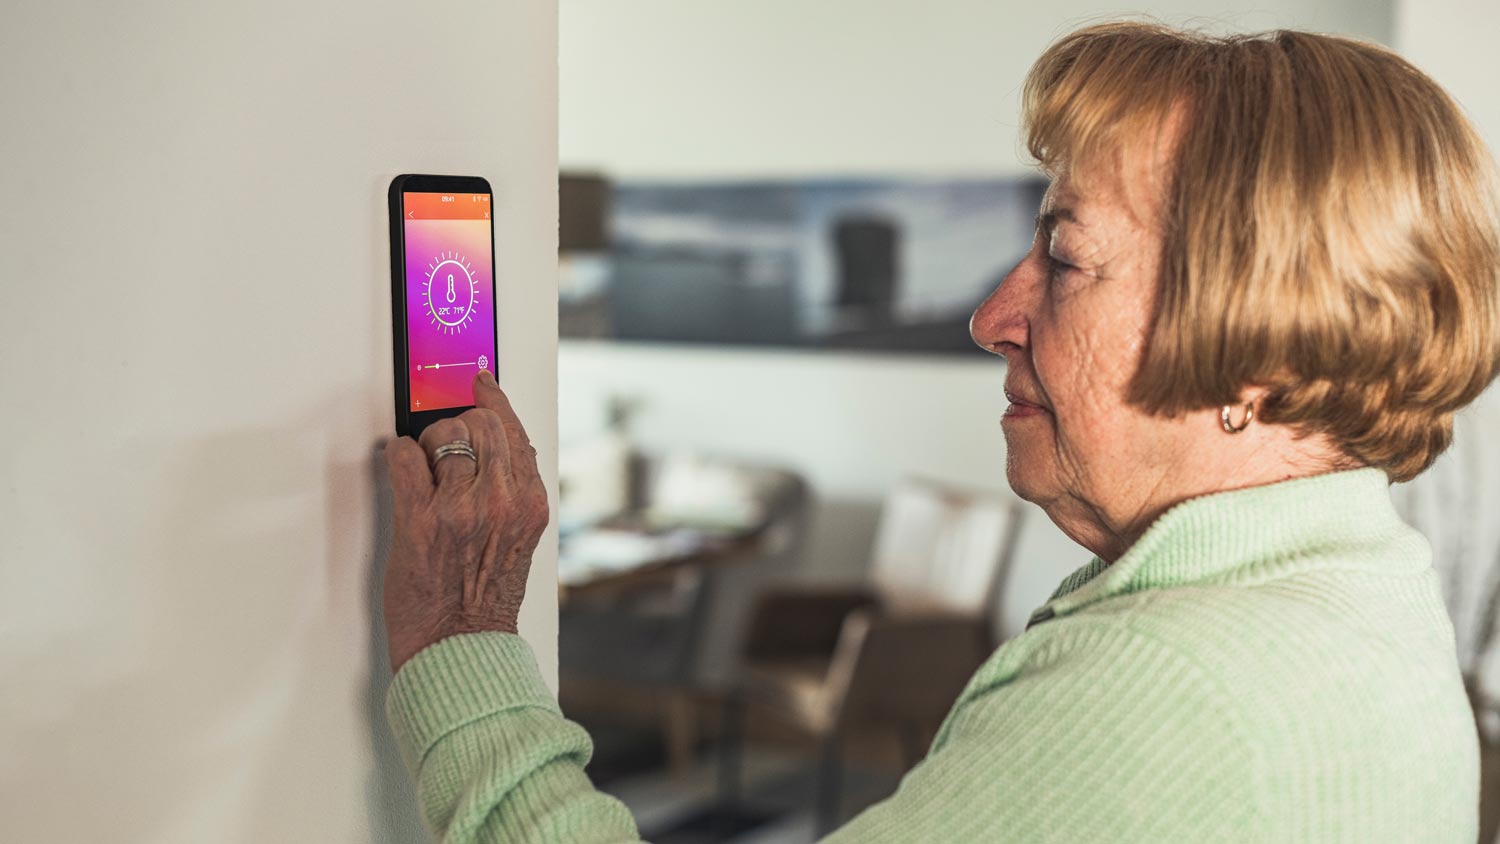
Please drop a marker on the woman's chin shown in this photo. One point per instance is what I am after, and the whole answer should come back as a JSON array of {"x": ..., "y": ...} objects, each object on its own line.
[
  {"x": 1025, "y": 430},
  {"x": 1025, "y": 476}
]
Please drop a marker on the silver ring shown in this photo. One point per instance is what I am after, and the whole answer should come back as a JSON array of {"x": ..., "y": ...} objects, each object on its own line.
[{"x": 455, "y": 447}]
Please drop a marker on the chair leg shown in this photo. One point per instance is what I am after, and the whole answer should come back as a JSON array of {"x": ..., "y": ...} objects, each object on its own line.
[
  {"x": 731, "y": 748},
  {"x": 830, "y": 785},
  {"x": 680, "y": 727}
]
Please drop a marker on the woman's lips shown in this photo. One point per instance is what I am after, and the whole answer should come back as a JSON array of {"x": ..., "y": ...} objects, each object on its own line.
[{"x": 1019, "y": 407}]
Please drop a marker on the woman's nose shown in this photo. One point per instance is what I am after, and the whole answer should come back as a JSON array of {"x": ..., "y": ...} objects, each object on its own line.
[{"x": 1001, "y": 323}]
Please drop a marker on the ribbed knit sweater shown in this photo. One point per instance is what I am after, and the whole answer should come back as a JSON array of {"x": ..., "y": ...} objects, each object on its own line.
[{"x": 1269, "y": 665}]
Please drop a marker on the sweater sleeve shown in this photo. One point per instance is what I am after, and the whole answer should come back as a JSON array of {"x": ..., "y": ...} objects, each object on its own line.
[
  {"x": 494, "y": 759},
  {"x": 1063, "y": 748},
  {"x": 1066, "y": 747}
]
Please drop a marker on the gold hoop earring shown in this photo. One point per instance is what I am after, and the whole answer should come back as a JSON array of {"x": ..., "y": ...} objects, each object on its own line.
[{"x": 1230, "y": 427}]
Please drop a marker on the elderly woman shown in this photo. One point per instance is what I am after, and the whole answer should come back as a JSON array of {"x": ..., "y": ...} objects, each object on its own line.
[{"x": 1265, "y": 276}]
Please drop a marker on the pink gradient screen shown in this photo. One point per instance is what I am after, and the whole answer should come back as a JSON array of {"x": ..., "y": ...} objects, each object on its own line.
[{"x": 450, "y": 305}]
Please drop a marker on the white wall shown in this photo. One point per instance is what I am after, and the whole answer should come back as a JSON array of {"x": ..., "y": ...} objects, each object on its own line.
[
  {"x": 1454, "y": 41},
  {"x": 196, "y": 371},
  {"x": 775, "y": 87},
  {"x": 661, "y": 89}
]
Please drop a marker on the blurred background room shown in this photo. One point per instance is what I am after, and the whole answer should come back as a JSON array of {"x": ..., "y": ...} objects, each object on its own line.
[{"x": 786, "y": 536}]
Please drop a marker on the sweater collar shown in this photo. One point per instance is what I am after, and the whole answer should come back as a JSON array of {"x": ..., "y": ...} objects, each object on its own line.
[{"x": 1246, "y": 535}]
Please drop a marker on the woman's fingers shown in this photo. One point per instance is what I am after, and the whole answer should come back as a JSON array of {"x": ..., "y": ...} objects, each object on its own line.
[
  {"x": 407, "y": 463},
  {"x": 449, "y": 468},
  {"x": 522, "y": 456},
  {"x": 489, "y": 440}
]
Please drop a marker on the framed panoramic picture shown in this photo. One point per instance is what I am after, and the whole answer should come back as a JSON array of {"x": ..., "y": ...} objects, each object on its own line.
[{"x": 888, "y": 264}]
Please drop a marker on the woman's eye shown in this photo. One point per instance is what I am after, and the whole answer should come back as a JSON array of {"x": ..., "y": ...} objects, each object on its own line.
[{"x": 1055, "y": 265}]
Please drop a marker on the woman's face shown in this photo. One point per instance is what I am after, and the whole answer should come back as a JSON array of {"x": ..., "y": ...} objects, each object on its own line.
[{"x": 1071, "y": 320}]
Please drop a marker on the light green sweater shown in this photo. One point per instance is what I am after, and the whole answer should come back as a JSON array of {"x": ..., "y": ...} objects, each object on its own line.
[{"x": 1267, "y": 665}]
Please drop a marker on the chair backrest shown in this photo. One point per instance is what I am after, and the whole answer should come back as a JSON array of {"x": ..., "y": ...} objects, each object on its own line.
[
  {"x": 943, "y": 548},
  {"x": 723, "y": 490}
]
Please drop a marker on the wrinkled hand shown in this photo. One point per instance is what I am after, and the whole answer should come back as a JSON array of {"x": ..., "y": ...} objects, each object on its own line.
[{"x": 464, "y": 533}]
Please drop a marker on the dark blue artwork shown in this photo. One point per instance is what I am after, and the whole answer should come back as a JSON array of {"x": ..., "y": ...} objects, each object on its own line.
[{"x": 882, "y": 264}]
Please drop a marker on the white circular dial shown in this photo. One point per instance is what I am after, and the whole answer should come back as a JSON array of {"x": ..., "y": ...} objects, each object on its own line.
[{"x": 450, "y": 292}]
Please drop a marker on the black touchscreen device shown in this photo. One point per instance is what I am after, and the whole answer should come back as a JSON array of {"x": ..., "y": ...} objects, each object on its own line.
[{"x": 442, "y": 295}]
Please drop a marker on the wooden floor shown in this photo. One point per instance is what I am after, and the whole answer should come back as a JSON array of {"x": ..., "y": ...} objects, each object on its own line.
[
  {"x": 776, "y": 807},
  {"x": 677, "y": 801}
]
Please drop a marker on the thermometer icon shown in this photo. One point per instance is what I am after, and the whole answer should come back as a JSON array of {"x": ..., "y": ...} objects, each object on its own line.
[{"x": 451, "y": 305}]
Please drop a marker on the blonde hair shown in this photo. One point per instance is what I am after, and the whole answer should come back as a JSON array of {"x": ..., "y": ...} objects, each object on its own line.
[{"x": 1330, "y": 226}]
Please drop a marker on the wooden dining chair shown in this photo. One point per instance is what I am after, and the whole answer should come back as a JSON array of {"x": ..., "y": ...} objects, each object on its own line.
[{"x": 894, "y": 651}]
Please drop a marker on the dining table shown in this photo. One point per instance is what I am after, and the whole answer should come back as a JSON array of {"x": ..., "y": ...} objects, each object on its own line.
[{"x": 629, "y": 551}]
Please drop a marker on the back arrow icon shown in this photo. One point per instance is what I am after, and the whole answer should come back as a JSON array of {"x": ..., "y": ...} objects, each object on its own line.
[{"x": 412, "y": 214}]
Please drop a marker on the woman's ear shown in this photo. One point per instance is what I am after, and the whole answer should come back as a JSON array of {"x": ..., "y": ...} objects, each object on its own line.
[{"x": 1253, "y": 394}]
